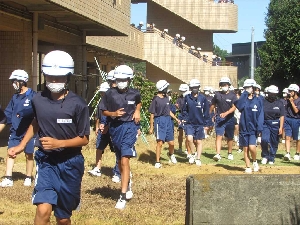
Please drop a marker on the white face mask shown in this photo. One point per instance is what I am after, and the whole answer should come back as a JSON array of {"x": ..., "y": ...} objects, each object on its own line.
[
  {"x": 55, "y": 87},
  {"x": 206, "y": 92},
  {"x": 249, "y": 90},
  {"x": 284, "y": 95},
  {"x": 16, "y": 87},
  {"x": 122, "y": 85},
  {"x": 225, "y": 89}
]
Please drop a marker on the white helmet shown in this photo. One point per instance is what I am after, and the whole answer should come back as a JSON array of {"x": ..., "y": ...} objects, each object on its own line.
[
  {"x": 199, "y": 49},
  {"x": 19, "y": 75},
  {"x": 192, "y": 47},
  {"x": 166, "y": 30},
  {"x": 225, "y": 80},
  {"x": 293, "y": 87},
  {"x": 104, "y": 87},
  {"x": 177, "y": 35},
  {"x": 286, "y": 90},
  {"x": 162, "y": 85},
  {"x": 258, "y": 86},
  {"x": 58, "y": 63},
  {"x": 249, "y": 83},
  {"x": 183, "y": 38},
  {"x": 273, "y": 89},
  {"x": 194, "y": 83},
  {"x": 123, "y": 72},
  {"x": 206, "y": 88},
  {"x": 183, "y": 87},
  {"x": 266, "y": 89},
  {"x": 110, "y": 75}
]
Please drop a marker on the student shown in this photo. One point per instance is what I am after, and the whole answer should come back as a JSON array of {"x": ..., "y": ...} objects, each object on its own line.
[
  {"x": 102, "y": 132},
  {"x": 210, "y": 124},
  {"x": 116, "y": 171},
  {"x": 160, "y": 117},
  {"x": 251, "y": 122},
  {"x": 122, "y": 105},
  {"x": 19, "y": 115},
  {"x": 62, "y": 124},
  {"x": 224, "y": 119},
  {"x": 273, "y": 125},
  {"x": 196, "y": 108},
  {"x": 179, "y": 105},
  {"x": 292, "y": 121},
  {"x": 284, "y": 102}
]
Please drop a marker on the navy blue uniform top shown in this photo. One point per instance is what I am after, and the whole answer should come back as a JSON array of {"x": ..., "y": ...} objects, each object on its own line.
[
  {"x": 209, "y": 99},
  {"x": 160, "y": 106},
  {"x": 180, "y": 102},
  {"x": 289, "y": 109},
  {"x": 224, "y": 102},
  {"x": 284, "y": 102},
  {"x": 19, "y": 113},
  {"x": 61, "y": 119},
  {"x": 2, "y": 116},
  {"x": 196, "y": 110},
  {"x": 115, "y": 99},
  {"x": 273, "y": 110},
  {"x": 252, "y": 114}
]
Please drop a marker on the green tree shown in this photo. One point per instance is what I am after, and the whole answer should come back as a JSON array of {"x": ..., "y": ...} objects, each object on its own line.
[
  {"x": 220, "y": 52},
  {"x": 280, "y": 55}
]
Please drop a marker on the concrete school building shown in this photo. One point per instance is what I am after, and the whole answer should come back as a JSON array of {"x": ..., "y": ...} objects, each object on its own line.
[{"x": 98, "y": 32}]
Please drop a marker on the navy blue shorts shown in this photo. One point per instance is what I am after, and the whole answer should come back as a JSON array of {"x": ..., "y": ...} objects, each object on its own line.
[
  {"x": 123, "y": 136},
  {"x": 197, "y": 131},
  {"x": 225, "y": 127},
  {"x": 291, "y": 128},
  {"x": 58, "y": 181},
  {"x": 15, "y": 141},
  {"x": 103, "y": 140},
  {"x": 164, "y": 128},
  {"x": 247, "y": 139}
]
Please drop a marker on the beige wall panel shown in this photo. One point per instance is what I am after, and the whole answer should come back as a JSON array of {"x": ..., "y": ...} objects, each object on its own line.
[
  {"x": 183, "y": 66},
  {"x": 130, "y": 46},
  {"x": 111, "y": 13},
  {"x": 204, "y": 14}
]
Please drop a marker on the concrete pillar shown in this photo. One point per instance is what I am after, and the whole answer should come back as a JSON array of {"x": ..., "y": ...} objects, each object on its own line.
[{"x": 34, "y": 50}]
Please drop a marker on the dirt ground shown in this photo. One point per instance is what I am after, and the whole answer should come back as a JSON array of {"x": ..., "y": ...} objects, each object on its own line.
[{"x": 159, "y": 194}]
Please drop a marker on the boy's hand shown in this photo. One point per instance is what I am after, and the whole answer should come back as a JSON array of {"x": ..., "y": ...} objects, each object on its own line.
[
  {"x": 14, "y": 151},
  {"x": 136, "y": 116},
  {"x": 120, "y": 112},
  {"x": 49, "y": 143}
]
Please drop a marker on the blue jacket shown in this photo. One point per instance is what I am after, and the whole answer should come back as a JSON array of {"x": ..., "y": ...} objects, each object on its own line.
[
  {"x": 252, "y": 114},
  {"x": 196, "y": 110},
  {"x": 19, "y": 113}
]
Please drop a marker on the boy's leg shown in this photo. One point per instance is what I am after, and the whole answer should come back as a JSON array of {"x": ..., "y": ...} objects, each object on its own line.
[
  {"x": 190, "y": 140},
  {"x": 247, "y": 156},
  {"x": 99, "y": 158},
  {"x": 199, "y": 148},
  {"x": 218, "y": 143},
  {"x": 63, "y": 221},
  {"x": 180, "y": 138},
  {"x": 29, "y": 164},
  {"x": 9, "y": 166},
  {"x": 159, "y": 144},
  {"x": 171, "y": 147},
  {"x": 42, "y": 214},
  {"x": 125, "y": 173}
]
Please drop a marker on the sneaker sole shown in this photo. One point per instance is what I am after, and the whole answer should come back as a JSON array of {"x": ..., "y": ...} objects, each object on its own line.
[{"x": 94, "y": 175}]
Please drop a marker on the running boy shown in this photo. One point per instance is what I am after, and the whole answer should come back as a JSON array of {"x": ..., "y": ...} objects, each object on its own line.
[
  {"x": 62, "y": 124},
  {"x": 122, "y": 105},
  {"x": 19, "y": 115}
]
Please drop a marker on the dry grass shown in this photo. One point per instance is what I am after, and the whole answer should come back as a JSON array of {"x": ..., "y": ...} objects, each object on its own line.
[{"x": 159, "y": 194}]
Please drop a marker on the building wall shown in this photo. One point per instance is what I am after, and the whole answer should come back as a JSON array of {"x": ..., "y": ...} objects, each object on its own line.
[
  {"x": 164, "y": 19},
  {"x": 101, "y": 11}
]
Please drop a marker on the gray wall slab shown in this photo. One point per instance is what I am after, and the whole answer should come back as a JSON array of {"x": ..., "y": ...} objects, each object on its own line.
[{"x": 243, "y": 199}]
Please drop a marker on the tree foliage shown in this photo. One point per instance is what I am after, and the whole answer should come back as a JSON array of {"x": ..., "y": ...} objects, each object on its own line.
[
  {"x": 220, "y": 52},
  {"x": 280, "y": 55}
]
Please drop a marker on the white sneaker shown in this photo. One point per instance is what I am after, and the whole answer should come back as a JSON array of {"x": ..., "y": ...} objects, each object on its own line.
[
  {"x": 186, "y": 152},
  {"x": 157, "y": 165},
  {"x": 206, "y": 136},
  {"x": 271, "y": 163},
  {"x": 230, "y": 157},
  {"x": 95, "y": 172},
  {"x": 240, "y": 150},
  {"x": 6, "y": 182},
  {"x": 129, "y": 193},
  {"x": 255, "y": 167},
  {"x": 297, "y": 157},
  {"x": 248, "y": 170},
  {"x": 188, "y": 156},
  {"x": 198, "y": 162},
  {"x": 217, "y": 157},
  {"x": 258, "y": 140},
  {"x": 264, "y": 161},
  {"x": 120, "y": 203},
  {"x": 27, "y": 182},
  {"x": 172, "y": 158},
  {"x": 287, "y": 157},
  {"x": 192, "y": 159},
  {"x": 116, "y": 179}
]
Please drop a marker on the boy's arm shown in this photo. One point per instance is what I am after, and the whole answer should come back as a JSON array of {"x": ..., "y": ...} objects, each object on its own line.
[{"x": 151, "y": 123}]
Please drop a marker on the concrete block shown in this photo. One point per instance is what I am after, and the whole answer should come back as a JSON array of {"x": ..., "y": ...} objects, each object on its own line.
[{"x": 243, "y": 199}]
